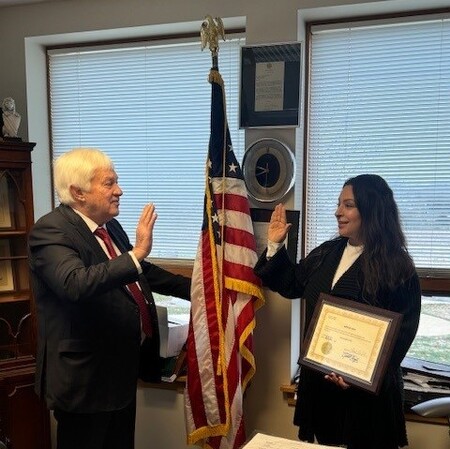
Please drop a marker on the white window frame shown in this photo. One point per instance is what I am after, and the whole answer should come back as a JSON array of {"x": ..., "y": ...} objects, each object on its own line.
[
  {"x": 435, "y": 280},
  {"x": 133, "y": 120}
]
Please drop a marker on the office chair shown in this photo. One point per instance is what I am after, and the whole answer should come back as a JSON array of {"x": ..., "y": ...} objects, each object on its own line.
[{"x": 434, "y": 408}]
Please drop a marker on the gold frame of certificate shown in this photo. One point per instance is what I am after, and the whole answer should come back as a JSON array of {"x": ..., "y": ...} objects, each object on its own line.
[{"x": 351, "y": 339}]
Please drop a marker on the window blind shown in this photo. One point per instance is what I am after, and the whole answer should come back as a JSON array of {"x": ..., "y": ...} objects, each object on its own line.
[
  {"x": 148, "y": 107},
  {"x": 379, "y": 102}
]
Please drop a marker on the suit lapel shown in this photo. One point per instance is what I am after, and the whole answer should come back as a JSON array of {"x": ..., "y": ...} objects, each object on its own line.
[
  {"x": 80, "y": 228},
  {"x": 118, "y": 236}
]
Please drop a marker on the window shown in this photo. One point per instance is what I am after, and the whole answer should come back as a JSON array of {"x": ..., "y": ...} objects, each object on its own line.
[
  {"x": 379, "y": 102},
  {"x": 147, "y": 105}
]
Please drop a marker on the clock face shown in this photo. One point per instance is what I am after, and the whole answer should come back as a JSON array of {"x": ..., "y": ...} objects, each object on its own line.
[{"x": 269, "y": 170}]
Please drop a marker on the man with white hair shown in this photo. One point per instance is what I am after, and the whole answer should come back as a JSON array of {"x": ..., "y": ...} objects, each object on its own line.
[{"x": 97, "y": 322}]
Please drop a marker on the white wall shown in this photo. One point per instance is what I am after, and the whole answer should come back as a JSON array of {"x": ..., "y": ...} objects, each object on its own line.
[{"x": 23, "y": 32}]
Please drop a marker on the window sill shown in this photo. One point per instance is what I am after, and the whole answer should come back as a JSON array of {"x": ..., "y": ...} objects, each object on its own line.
[
  {"x": 289, "y": 395},
  {"x": 177, "y": 385},
  {"x": 175, "y": 266}
]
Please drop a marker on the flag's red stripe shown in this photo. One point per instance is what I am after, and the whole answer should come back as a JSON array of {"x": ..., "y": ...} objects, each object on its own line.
[
  {"x": 232, "y": 201},
  {"x": 238, "y": 271},
  {"x": 245, "y": 317},
  {"x": 240, "y": 435},
  {"x": 239, "y": 237},
  {"x": 194, "y": 386}
]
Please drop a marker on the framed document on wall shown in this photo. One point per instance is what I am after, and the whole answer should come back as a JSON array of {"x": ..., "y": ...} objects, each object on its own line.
[{"x": 270, "y": 85}]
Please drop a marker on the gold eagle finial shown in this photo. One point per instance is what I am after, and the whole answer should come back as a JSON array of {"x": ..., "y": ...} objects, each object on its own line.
[{"x": 210, "y": 32}]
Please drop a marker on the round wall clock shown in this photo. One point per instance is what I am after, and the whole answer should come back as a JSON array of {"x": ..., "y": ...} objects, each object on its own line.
[{"x": 268, "y": 168}]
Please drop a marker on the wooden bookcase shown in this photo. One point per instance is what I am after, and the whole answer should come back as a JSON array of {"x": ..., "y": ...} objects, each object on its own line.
[{"x": 24, "y": 419}]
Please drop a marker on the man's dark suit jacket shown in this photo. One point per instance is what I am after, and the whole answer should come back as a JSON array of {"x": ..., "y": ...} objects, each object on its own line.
[{"x": 89, "y": 353}]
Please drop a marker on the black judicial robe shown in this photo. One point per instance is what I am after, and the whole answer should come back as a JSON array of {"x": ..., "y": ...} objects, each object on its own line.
[{"x": 335, "y": 416}]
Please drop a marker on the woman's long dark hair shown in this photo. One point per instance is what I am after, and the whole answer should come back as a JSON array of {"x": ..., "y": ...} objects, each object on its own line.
[{"x": 385, "y": 262}]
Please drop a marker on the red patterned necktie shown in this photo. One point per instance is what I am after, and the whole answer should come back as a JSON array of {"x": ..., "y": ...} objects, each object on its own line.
[{"x": 133, "y": 287}]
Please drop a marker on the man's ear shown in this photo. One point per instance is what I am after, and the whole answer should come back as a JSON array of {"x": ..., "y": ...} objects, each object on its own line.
[{"x": 77, "y": 194}]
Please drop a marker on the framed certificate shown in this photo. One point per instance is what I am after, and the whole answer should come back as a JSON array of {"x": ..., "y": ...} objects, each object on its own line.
[
  {"x": 351, "y": 339},
  {"x": 270, "y": 85}
]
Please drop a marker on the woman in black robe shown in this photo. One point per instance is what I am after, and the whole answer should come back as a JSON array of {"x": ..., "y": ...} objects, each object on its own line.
[{"x": 368, "y": 263}]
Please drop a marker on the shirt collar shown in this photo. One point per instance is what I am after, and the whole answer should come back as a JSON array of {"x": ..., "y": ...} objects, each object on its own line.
[{"x": 92, "y": 225}]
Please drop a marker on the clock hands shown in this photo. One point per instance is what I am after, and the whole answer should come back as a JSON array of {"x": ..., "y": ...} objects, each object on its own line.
[{"x": 263, "y": 171}]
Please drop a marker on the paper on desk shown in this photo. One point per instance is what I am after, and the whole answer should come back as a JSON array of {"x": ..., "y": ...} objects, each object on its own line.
[{"x": 261, "y": 441}]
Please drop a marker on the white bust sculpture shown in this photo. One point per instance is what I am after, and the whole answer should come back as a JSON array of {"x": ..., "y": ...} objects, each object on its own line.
[{"x": 11, "y": 119}]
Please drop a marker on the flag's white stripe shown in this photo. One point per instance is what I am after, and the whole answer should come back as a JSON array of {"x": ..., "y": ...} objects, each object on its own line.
[
  {"x": 241, "y": 301},
  {"x": 188, "y": 415},
  {"x": 235, "y": 219},
  {"x": 236, "y": 409},
  {"x": 234, "y": 186},
  {"x": 230, "y": 327},
  {"x": 240, "y": 255},
  {"x": 201, "y": 338}
]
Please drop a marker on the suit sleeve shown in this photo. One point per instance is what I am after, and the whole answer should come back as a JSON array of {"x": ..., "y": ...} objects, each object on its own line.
[
  {"x": 281, "y": 275},
  {"x": 166, "y": 283},
  {"x": 73, "y": 266}
]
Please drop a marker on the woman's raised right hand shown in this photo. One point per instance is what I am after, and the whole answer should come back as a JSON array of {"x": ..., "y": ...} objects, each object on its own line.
[{"x": 278, "y": 228}]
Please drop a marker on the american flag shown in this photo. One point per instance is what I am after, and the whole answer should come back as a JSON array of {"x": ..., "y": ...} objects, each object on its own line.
[{"x": 225, "y": 294}]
